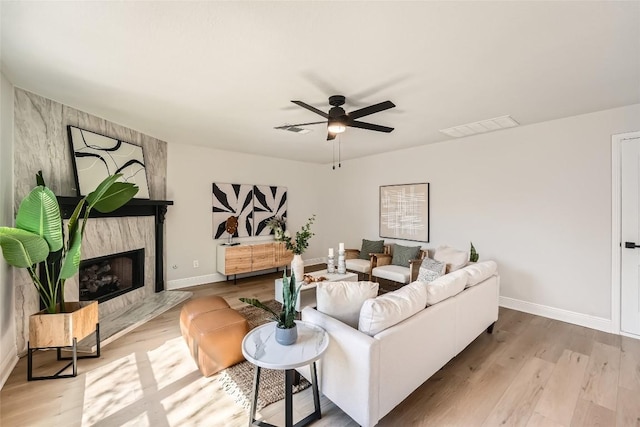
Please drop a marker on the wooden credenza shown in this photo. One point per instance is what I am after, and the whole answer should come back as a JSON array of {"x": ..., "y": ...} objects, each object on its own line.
[{"x": 232, "y": 260}]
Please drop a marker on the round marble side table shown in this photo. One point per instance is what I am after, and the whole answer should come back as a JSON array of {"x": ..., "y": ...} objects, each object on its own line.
[{"x": 260, "y": 348}]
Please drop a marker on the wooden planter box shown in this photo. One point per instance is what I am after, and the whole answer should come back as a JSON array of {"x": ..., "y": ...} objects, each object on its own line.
[{"x": 58, "y": 330}]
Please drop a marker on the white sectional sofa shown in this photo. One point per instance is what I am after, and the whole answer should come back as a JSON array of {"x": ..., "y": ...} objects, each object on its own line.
[{"x": 367, "y": 376}]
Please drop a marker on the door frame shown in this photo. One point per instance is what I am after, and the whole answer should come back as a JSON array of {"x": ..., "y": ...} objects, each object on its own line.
[{"x": 616, "y": 228}]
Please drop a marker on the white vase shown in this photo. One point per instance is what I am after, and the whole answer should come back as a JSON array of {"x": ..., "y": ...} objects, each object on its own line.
[{"x": 297, "y": 267}]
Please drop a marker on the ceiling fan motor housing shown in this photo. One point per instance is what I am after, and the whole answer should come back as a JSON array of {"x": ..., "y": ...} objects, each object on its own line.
[{"x": 336, "y": 100}]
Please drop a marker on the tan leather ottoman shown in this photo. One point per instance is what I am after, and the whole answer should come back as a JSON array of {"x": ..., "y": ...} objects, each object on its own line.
[{"x": 214, "y": 333}]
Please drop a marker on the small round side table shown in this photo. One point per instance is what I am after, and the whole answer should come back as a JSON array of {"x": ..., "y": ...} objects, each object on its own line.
[{"x": 260, "y": 348}]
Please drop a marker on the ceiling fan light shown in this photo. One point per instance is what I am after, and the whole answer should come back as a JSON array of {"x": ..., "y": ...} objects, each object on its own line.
[{"x": 336, "y": 127}]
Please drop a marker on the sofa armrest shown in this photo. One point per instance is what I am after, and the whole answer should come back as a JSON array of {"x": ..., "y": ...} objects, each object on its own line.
[
  {"x": 414, "y": 265},
  {"x": 379, "y": 260},
  {"x": 351, "y": 253},
  {"x": 349, "y": 369}
]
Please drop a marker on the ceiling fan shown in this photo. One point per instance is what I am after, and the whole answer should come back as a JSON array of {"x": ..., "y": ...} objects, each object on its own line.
[{"x": 338, "y": 120}]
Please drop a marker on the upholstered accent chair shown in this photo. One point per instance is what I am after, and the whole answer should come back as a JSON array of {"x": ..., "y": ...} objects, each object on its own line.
[
  {"x": 401, "y": 265},
  {"x": 362, "y": 261}
]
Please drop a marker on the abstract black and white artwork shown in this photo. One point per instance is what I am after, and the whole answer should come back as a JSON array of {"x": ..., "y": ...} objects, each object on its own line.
[
  {"x": 404, "y": 212},
  {"x": 268, "y": 201},
  {"x": 232, "y": 200},
  {"x": 96, "y": 156}
]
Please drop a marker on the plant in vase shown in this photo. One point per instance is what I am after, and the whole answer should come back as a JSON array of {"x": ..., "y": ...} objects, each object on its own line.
[
  {"x": 286, "y": 330},
  {"x": 39, "y": 237},
  {"x": 278, "y": 225},
  {"x": 298, "y": 245}
]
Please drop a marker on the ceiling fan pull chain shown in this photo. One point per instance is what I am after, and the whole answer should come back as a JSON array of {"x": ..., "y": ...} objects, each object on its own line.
[
  {"x": 339, "y": 151},
  {"x": 334, "y": 155}
]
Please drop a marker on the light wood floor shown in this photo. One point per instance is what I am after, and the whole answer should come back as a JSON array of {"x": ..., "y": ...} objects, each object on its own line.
[{"x": 532, "y": 371}]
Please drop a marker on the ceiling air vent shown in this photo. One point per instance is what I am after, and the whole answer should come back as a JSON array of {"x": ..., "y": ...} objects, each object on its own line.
[
  {"x": 480, "y": 127},
  {"x": 294, "y": 129}
]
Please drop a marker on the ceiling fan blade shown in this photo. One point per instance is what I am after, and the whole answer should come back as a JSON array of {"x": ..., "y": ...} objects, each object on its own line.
[
  {"x": 299, "y": 124},
  {"x": 371, "y": 109},
  {"x": 330, "y": 136},
  {"x": 369, "y": 126},
  {"x": 310, "y": 108}
]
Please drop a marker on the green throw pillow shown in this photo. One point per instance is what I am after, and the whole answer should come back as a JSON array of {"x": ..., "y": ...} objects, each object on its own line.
[
  {"x": 403, "y": 254},
  {"x": 371, "y": 246}
]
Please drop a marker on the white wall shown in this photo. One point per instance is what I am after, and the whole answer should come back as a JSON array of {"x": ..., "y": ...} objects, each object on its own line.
[
  {"x": 8, "y": 351},
  {"x": 191, "y": 171},
  {"x": 536, "y": 198}
]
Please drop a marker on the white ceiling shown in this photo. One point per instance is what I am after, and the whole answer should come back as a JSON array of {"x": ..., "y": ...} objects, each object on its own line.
[{"x": 222, "y": 74}]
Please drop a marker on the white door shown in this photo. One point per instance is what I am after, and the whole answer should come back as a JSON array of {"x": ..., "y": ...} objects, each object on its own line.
[{"x": 630, "y": 246}]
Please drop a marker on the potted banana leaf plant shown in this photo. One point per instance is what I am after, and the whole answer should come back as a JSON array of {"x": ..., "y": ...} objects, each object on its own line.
[
  {"x": 286, "y": 329},
  {"x": 38, "y": 237}
]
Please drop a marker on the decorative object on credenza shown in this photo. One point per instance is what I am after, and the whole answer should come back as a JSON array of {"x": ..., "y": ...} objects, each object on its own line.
[
  {"x": 298, "y": 245},
  {"x": 342, "y": 266},
  {"x": 268, "y": 202},
  {"x": 96, "y": 157},
  {"x": 331, "y": 268},
  {"x": 278, "y": 225},
  {"x": 286, "y": 331},
  {"x": 473, "y": 255},
  {"x": 39, "y": 238},
  {"x": 404, "y": 212},
  {"x": 231, "y": 225}
]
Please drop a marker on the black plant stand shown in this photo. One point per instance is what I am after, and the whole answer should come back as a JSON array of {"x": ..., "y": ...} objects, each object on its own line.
[{"x": 73, "y": 359}]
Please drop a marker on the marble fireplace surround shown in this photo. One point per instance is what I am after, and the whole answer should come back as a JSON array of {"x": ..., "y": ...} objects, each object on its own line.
[{"x": 41, "y": 143}]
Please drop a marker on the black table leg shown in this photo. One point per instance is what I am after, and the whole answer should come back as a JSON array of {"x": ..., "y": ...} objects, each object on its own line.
[
  {"x": 288, "y": 396},
  {"x": 254, "y": 395},
  {"x": 316, "y": 393}
]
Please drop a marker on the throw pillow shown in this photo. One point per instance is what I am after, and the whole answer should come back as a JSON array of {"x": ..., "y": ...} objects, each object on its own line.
[
  {"x": 430, "y": 270},
  {"x": 454, "y": 258},
  {"x": 403, "y": 254},
  {"x": 378, "y": 314},
  {"x": 371, "y": 246},
  {"x": 343, "y": 300},
  {"x": 446, "y": 286}
]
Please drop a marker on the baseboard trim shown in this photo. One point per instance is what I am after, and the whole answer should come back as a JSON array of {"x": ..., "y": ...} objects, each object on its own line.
[
  {"x": 216, "y": 277},
  {"x": 573, "y": 317},
  {"x": 194, "y": 281},
  {"x": 8, "y": 364}
]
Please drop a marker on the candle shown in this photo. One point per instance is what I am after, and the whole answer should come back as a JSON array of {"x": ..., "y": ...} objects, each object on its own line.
[
  {"x": 341, "y": 249},
  {"x": 330, "y": 251}
]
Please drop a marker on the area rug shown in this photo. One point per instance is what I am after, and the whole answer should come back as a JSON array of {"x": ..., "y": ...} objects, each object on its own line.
[{"x": 237, "y": 380}]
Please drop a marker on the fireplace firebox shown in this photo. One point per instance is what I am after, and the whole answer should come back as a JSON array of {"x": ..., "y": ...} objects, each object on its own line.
[{"x": 110, "y": 276}]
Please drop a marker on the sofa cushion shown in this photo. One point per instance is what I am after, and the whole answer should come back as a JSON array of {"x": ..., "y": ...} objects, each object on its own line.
[
  {"x": 446, "y": 286},
  {"x": 359, "y": 265},
  {"x": 378, "y": 314},
  {"x": 403, "y": 254},
  {"x": 430, "y": 270},
  {"x": 395, "y": 273},
  {"x": 454, "y": 258},
  {"x": 480, "y": 271},
  {"x": 371, "y": 246},
  {"x": 343, "y": 300}
]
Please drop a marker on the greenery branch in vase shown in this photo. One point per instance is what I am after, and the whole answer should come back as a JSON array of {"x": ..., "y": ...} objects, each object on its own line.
[
  {"x": 298, "y": 245},
  {"x": 286, "y": 331},
  {"x": 278, "y": 225},
  {"x": 39, "y": 236}
]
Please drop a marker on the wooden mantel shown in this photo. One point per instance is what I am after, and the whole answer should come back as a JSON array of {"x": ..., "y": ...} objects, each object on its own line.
[{"x": 135, "y": 207}]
